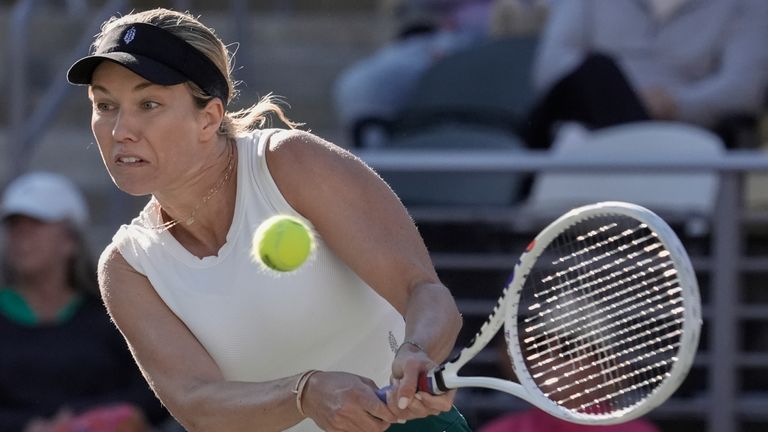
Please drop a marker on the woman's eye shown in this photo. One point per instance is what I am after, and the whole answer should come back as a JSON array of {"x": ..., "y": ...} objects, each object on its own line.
[
  {"x": 102, "y": 106},
  {"x": 149, "y": 105}
]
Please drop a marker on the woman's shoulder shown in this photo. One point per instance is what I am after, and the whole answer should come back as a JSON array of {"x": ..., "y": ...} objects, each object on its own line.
[
  {"x": 285, "y": 138},
  {"x": 109, "y": 260},
  {"x": 262, "y": 143},
  {"x": 295, "y": 146},
  {"x": 113, "y": 266},
  {"x": 119, "y": 279}
]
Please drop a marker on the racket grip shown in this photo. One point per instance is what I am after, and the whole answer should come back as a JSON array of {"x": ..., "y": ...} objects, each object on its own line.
[{"x": 424, "y": 384}]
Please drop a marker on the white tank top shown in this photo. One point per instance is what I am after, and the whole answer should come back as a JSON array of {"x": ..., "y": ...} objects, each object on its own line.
[{"x": 255, "y": 325}]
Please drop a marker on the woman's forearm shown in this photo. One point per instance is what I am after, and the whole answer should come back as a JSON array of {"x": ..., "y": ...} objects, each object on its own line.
[
  {"x": 239, "y": 406},
  {"x": 432, "y": 320}
]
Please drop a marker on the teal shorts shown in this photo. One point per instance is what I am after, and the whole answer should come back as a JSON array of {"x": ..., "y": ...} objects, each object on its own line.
[{"x": 451, "y": 421}]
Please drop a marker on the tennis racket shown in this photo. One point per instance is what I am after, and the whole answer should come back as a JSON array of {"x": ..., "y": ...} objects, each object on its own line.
[{"x": 602, "y": 318}]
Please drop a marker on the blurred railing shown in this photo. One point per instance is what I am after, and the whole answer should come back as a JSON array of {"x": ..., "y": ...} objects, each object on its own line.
[{"x": 723, "y": 406}]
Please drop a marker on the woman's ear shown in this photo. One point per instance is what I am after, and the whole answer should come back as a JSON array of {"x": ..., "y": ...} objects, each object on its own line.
[{"x": 211, "y": 117}]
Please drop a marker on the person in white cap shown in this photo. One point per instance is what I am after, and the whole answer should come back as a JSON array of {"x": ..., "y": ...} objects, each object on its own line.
[
  {"x": 45, "y": 196},
  {"x": 61, "y": 359}
]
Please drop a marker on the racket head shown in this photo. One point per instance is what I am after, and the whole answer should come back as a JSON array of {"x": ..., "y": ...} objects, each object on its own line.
[{"x": 606, "y": 334}]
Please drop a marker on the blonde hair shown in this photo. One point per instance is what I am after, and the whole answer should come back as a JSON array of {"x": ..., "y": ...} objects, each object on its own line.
[{"x": 205, "y": 40}]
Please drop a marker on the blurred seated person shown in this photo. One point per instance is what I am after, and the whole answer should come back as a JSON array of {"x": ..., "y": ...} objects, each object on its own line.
[
  {"x": 64, "y": 367},
  {"x": 537, "y": 420},
  {"x": 370, "y": 92},
  {"x": 607, "y": 62},
  {"x": 511, "y": 18}
]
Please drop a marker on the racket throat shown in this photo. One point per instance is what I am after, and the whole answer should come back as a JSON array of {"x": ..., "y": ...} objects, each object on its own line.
[{"x": 433, "y": 382}]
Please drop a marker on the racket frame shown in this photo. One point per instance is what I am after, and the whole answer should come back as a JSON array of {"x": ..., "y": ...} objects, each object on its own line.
[{"x": 446, "y": 376}]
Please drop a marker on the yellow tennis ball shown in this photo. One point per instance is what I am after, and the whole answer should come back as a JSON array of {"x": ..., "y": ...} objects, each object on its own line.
[{"x": 282, "y": 243}]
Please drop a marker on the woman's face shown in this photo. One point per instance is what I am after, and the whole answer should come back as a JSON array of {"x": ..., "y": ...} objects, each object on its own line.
[
  {"x": 35, "y": 246},
  {"x": 148, "y": 134}
]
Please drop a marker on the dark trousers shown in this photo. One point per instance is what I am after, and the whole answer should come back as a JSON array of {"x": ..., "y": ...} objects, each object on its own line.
[
  {"x": 451, "y": 421},
  {"x": 596, "y": 94}
]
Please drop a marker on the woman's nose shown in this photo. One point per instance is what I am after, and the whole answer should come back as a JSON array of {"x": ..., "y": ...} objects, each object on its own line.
[{"x": 124, "y": 127}]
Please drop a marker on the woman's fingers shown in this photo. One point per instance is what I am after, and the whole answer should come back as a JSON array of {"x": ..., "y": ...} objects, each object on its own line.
[{"x": 339, "y": 401}]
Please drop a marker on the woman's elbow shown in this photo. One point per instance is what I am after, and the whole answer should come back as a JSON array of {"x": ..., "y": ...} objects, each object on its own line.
[{"x": 191, "y": 408}]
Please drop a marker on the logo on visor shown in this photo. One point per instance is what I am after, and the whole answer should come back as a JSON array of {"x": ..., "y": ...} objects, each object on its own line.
[{"x": 129, "y": 35}]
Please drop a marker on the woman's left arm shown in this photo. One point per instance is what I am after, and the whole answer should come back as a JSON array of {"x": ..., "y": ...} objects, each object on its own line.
[{"x": 365, "y": 224}]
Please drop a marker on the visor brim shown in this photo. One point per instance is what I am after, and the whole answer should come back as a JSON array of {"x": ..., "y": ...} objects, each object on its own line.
[{"x": 153, "y": 71}]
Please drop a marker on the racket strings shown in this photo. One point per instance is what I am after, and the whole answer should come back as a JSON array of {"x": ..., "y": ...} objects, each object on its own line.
[
  {"x": 617, "y": 383},
  {"x": 605, "y": 250},
  {"x": 588, "y": 237},
  {"x": 578, "y": 381},
  {"x": 572, "y": 327},
  {"x": 615, "y": 366},
  {"x": 604, "y": 318},
  {"x": 608, "y": 362},
  {"x": 613, "y": 374},
  {"x": 585, "y": 264},
  {"x": 633, "y": 330},
  {"x": 576, "y": 310}
]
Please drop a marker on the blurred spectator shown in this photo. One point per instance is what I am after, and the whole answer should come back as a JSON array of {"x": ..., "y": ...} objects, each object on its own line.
[
  {"x": 604, "y": 62},
  {"x": 536, "y": 420},
  {"x": 372, "y": 91},
  {"x": 64, "y": 367},
  {"x": 518, "y": 17}
]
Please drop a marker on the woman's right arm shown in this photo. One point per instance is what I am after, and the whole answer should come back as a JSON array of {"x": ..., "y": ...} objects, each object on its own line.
[{"x": 185, "y": 377}]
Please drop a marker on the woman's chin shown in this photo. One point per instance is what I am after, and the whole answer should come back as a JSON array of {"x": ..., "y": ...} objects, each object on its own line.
[{"x": 131, "y": 188}]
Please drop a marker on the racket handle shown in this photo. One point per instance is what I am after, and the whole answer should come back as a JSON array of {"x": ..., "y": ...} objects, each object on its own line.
[{"x": 424, "y": 384}]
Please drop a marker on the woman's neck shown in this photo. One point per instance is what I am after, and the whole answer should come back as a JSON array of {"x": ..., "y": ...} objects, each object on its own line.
[{"x": 202, "y": 227}]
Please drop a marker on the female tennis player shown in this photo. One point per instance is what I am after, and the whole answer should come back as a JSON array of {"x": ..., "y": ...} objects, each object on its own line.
[{"x": 225, "y": 345}]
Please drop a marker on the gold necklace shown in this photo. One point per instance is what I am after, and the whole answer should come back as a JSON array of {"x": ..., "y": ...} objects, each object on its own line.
[{"x": 214, "y": 190}]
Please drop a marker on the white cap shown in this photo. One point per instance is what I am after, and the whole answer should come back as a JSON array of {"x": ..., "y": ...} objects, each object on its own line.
[{"x": 45, "y": 196}]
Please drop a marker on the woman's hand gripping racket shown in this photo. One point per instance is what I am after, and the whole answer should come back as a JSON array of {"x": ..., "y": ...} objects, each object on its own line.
[{"x": 602, "y": 318}]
